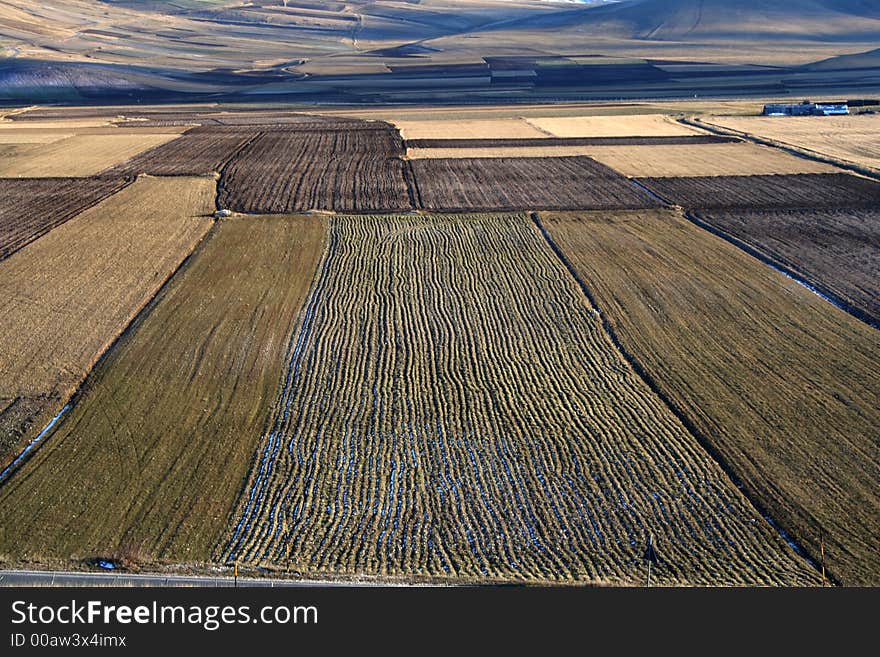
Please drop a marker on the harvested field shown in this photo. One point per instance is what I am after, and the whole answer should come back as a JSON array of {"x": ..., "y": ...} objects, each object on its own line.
[
  {"x": 809, "y": 191},
  {"x": 521, "y": 448},
  {"x": 191, "y": 154},
  {"x": 781, "y": 384},
  {"x": 512, "y": 128},
  {"x": 520, "y": 183},
  {"x": 286, "y": 172},
  {"x": 634, "y": 125},
  {"x": 854, "y": 139},
  {"x": 153, "y": 457},
  {"x": 31, "y": 137},
  {"x": 80, "y": 155},
  {"x": 30, "y": 207},
  {"x": 568, "y": 141},
  {"x": 838, "y": 251},
  {"x": 742, "y": 159},
  {"x": 68, "y": 295}
]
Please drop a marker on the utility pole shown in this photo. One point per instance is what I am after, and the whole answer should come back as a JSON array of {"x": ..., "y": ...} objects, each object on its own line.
[
  {"x": 650, "y": 557},
  {"x": 822, "y": 553},
  {"x": 235, "y": 573}
]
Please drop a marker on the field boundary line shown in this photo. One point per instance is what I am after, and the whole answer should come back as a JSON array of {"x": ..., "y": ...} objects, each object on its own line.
[
  {"x": 85, "y": 384},
  {"x": 813, "y": 286},
  {"x": 680, "y": 415},
  {"x": 797, "y": 151}
]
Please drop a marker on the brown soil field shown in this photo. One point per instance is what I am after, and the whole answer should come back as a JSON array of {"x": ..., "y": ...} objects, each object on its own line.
[
  {"x": 30, "y": 207},
  {"x": 634, "y": 125},
  {"x": 740, "y": 159},
  {"x": 352, "y": 170},
  {"x": 809, "y": 191},
  {"x": 452, "y": 407},
  {"x": 191, "y": 154},
  {"x": 150, "y": 462},
  {"x": 520, "y": 183},
  {"x": 854, "y": 139},
  {"x": 80, "y": 155},
  {"x": 838, "y": 251},
  {"x": 67, "y": 296},
  {"x": 569, "y": 141},
  {"x": 781, "y": 385},
  {"x": 490, "y": 128}
]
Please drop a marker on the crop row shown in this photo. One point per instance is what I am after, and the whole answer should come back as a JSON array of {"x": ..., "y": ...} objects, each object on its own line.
[
  {"x": 806, "y": 190},
  {"x": 452, "y": 406}
]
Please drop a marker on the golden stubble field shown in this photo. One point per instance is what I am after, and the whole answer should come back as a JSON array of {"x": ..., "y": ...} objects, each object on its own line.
[
  {"x": 853, "y": 138},
  {"x": 78, "y": 155},
  {"x": 781, "y": 385},
  {"x": 66, "y": 297},
  {"x": 151, "y": 460}
]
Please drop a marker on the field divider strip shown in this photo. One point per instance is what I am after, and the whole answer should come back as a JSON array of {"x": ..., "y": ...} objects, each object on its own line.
[
  {"x": 682, "y": 417},
  {"x": 802, "y": 153},
  {"x": 69, "y": 404},
  {"x": 816, "y": 288}
]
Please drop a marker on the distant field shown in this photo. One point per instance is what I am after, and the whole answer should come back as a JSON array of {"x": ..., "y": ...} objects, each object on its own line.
[
  {"x": 80, "y": 155},
  {"x": 854, "y": 139},
  {"x": 191, "y": 154},
  {"x": 31, "y": 137},
  {"x": 489, "y": 128},
  {"x": 631, "y": 156},
  {"x": 518, "y": 183},
  {"x": 809, "y": 191},
  {"x": 636, "y": 125},
  {"x": 523, "y": 447},
  {"x": 741, "y": 159},
  {"x": 65, "y": 297},
  {"x": 781, "y": 384},
  {"x": 345, "y": 170},
  {"x": 569, "y": 141},
  {"x": 150, "y": 462},
  {"x": 30, "y": 207},
  {"x": 837, "y": 250}
]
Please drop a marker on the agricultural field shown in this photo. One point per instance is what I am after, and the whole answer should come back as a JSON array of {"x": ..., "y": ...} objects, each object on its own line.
[
  {"x": 521, "y": 448},
  {"x": 30, "y": 207},
  {"x": 809, "y": 191},
  {"x": 569, "y": 141},
  {"x": 488, "y": 128},
  {"x": 65, "y": 297},
  {"x": 635, "y": 125},
  {"x": 610, "y": 149},
  {"x": 192, "y": 154},
  {"x": 80, "y": 155},
  {"x": 854, "y": 139},
  {"x": 151, "y": 460},
  {"x": 517, "y": 183},
  {"x": 345, "y": 170},
  {"x": 781, "y": 386},
  {"x": 741, "y": 159},
  {"x": 837, "y": 250}
]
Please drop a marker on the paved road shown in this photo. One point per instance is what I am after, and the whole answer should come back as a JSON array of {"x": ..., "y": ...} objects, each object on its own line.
[{"x": 50, "y": 578}]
